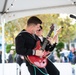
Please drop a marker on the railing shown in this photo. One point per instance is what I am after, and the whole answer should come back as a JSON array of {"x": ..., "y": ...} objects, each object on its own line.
[{"x": 14, "y": 69}]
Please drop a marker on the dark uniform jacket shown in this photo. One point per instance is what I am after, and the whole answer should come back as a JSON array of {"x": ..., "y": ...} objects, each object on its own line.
[{"x": 25, "y": 43}]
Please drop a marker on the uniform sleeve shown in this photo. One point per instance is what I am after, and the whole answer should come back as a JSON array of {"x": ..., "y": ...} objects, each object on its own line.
[
  {"x": 20, "y": 48},
  {"x": 53, "y": 46},
  {"x": 50, "y": 47}
]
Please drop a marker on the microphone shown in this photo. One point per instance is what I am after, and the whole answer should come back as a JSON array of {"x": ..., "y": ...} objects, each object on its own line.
[{"x": 72, "y": 16}]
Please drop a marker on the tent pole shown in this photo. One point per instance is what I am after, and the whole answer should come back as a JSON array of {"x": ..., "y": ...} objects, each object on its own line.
[{"x": 3, "y": 42}]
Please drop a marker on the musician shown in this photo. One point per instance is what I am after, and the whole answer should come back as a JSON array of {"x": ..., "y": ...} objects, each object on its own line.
[
  {"x": 51, "y": 69},
  {"x": 25, "y": 44},
  {"x": 42, "y": 39}
]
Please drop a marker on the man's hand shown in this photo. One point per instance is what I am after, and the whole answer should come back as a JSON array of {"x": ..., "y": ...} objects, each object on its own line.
[
  {"x": 42, "y": 53},
  {"x": 51, "y": 40},
  {"x": 39, "y": 53},
  {"x": 46, "y": 53}
]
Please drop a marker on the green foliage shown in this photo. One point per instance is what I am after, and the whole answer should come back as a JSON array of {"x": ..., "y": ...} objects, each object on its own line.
[
  {"x": 59, "y": 46},
  {"x": 12, "y": 28},
  {"x": 68, "y": 33},
  {"x": 8, "y": 47}
]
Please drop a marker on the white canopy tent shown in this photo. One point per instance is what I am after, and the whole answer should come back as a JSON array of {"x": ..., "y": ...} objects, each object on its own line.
[
  {"x": 18, "y": 8},
  {"x": 13, "y": 9}
]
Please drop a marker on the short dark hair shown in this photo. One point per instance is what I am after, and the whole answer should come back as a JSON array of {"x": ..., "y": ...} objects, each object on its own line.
[{"x": 34, "y": 20}]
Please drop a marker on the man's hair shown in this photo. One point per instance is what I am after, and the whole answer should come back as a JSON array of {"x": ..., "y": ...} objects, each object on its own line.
[{"x": 34, "y": 20}]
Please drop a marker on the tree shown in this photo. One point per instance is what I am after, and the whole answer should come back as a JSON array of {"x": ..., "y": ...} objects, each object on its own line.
[
  {"x": 8, "y": 47},
  {"x": 12, "y": 28},
  {"x": 59, "y": 46},
  {"x": 68, "y": 32}
]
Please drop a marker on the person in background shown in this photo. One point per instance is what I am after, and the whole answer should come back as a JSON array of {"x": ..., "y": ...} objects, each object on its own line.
[
  {"x": 25, "y": 43},
  {"x": 10, "y": 57},
  {"x": 64, "y": 55},
  {"x": 70, "y": 55},
  {"x": 74, "y": 58}
]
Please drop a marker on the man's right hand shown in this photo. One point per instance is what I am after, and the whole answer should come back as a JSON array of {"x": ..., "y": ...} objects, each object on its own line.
[{"x": 39, "y": 53}]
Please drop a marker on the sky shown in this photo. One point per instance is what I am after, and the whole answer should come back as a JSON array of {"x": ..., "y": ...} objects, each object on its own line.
[{"x": 64, "y": 16}]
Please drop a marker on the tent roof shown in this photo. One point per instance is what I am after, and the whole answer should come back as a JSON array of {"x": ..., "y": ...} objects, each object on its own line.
[{"x": 19, "y": 8}]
